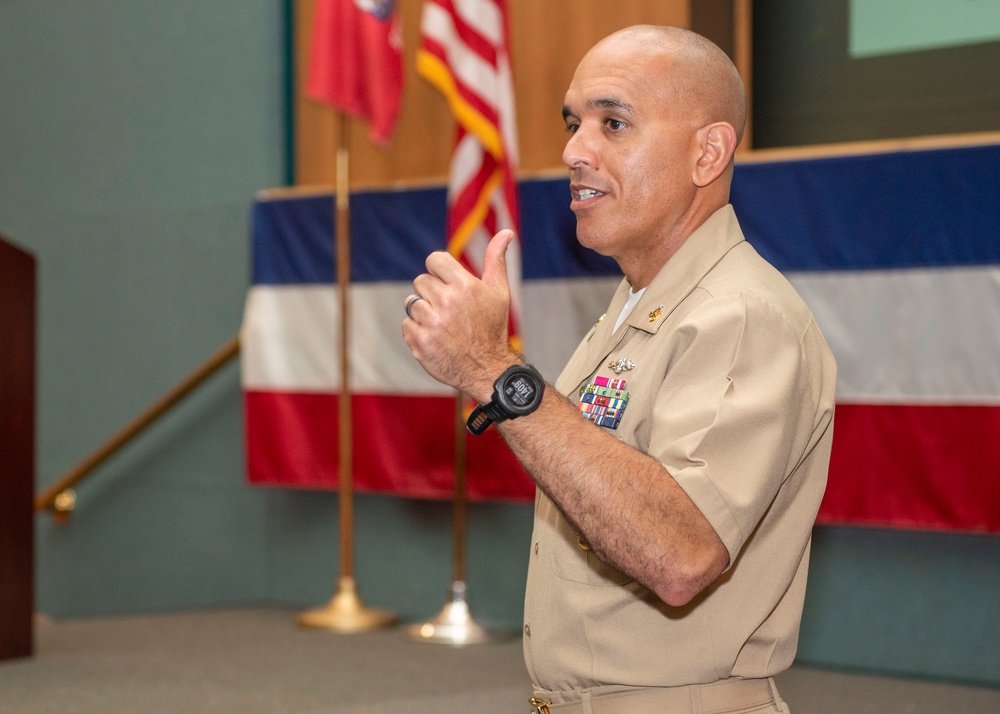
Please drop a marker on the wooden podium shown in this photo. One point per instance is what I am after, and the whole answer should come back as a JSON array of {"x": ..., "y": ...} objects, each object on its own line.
[{"x": 17, "y": 449}]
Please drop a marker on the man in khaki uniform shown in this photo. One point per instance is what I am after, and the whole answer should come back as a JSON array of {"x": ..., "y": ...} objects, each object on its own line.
[{"x": 682, "y": 454}]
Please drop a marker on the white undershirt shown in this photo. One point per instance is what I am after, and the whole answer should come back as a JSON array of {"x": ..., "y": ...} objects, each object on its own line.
[{"x": 633, "y": 298}]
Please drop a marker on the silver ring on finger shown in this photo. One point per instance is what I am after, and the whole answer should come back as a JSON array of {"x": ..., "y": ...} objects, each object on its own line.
[{"x": 409, "y": 304}]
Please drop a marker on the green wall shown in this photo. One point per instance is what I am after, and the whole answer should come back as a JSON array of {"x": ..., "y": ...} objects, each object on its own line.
[{"x": 133, "y": 137}]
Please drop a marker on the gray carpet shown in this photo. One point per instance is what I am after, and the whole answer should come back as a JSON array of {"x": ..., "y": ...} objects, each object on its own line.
[{"x": 257, "y": 661}]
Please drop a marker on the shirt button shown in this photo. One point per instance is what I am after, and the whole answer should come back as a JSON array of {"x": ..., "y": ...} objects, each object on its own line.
[
  {"x": 536, "y": 548},
  {"x": 527, "y": 630},
  {"x": 584, "y": 545}
]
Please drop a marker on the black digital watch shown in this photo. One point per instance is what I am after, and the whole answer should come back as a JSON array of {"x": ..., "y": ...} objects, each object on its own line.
[{"x": 517, "y": 392}]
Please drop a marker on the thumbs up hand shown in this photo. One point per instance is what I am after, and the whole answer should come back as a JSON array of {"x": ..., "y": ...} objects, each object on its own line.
[{"x": 458, "y": 329}]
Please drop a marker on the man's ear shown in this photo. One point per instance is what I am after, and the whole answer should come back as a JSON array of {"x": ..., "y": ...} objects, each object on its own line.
[{"x": 716, "y": 143}]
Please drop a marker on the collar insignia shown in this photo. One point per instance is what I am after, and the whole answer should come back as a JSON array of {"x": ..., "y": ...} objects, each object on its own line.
[{"x": 655, "y": 314}]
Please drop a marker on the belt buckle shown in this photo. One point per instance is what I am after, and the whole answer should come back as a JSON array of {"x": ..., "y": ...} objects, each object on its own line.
[{"x": 538, "y": 706}]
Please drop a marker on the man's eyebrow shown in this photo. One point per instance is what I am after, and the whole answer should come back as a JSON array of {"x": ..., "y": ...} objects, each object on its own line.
[
  {"x": 611, "y": 103},
  {"x": 604, "y": 103}
]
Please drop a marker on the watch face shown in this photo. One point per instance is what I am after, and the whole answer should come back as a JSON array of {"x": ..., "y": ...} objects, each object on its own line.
[{"x": 521, "y": 393}]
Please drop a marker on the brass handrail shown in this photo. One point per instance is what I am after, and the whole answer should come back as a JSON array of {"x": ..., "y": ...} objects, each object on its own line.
[{"x": 59, "y": 497}]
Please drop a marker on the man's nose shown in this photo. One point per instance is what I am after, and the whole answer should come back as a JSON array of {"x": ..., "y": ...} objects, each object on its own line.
[{"x": 579, "y": 149}]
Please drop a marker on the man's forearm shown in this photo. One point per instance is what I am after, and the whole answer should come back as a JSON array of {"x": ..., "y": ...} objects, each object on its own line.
[{"x": 623, "y": 502}]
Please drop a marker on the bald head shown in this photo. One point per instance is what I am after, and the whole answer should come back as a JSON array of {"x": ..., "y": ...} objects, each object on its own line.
[{"x": 701, "y": 77}]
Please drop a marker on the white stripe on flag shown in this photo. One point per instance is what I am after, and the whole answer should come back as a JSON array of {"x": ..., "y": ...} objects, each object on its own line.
[
  {"x": 915, "y": 336},
  {"x": 290, "y": 341},
  {"x": 505, "y": 104},
  {"x": 927, "y": 336},
  {"x": 289, "y": 336},
  {"x": 466, "y": 161},
  {"x": 557, "y": 314}
]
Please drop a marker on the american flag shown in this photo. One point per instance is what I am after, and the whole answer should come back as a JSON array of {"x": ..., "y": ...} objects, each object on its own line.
[{"x": 464, "y": 54}]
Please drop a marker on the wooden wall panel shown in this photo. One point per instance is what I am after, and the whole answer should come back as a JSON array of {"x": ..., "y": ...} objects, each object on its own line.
[{"x": 547, "y": 40}]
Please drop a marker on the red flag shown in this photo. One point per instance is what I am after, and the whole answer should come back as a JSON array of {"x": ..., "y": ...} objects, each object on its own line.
[
  {"x": 464, "y": 54},
  {"x": 356, "y": 61}
]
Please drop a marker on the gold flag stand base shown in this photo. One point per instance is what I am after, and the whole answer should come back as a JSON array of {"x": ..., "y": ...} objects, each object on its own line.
[
  {"x": 453, "y": 626},
  {"x": 345, "y": 613}
]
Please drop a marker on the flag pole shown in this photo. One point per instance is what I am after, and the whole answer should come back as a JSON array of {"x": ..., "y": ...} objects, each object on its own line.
[
  {"x": 454, "y": 624},
  {"x": 345, "y": 612}
]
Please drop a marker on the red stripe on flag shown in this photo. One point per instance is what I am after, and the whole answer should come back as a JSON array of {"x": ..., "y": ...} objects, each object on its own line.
[
  {"x": 402, "y": 445},
  {"x": 925, "y": 467}
]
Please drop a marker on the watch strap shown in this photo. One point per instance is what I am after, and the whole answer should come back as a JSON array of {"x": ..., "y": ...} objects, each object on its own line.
[{"x": 478, "y": 421}]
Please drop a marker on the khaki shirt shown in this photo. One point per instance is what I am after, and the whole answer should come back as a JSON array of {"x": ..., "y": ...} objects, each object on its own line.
[{"x": 731, "y": 388}]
